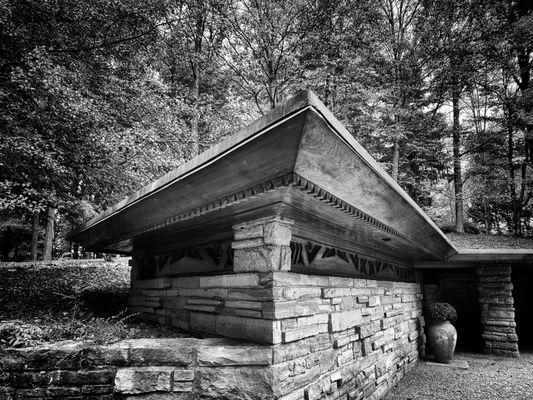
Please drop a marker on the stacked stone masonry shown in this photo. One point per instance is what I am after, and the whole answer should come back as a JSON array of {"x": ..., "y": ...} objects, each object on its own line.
[
  {"x": 231, "y": 305},
  {"x": 161, "y": 369},
  {"x": 328, "y": 337},
  {"x": 343, "y": 338},
  {"x": 497, "y": 310},
  {"x": 331, "y": 337},
  {"x": 263, "y": 245}
]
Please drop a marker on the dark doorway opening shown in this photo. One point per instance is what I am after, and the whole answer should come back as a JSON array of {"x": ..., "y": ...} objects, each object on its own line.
[
  {"x": 522, "y": 278},
  {"x": 459, "y": 288}
]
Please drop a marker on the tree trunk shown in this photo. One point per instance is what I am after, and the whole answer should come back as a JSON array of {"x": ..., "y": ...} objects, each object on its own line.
[
  {"x": 327, "y": 92},
  {"x": 457, "y": 173},
  {"x": 518, "y": 10},
  {"x": 396, "y": 159},
  {"x": 486, "y": 215},
  {"x": 497, "y": 223},
  {"x": 49, "y": 235},
  {"x": 173, "y": 78},
  {"x": 34, "y": 236},
  {"x": 196, "y": 112},
  {"x": 6, "y": 244},
  {"x": 525, "y": 185},
  {"x": 521, "y": 201},
  {"x": 195, "y": 92},
  {"x": 515, "y": 202},
  {"x": 75, "y": 250},
  {"x": 272, "y": 89}
]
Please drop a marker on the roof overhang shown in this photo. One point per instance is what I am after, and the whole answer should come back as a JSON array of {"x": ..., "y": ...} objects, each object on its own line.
[
  {"x": 297, "y": 161},
  {"x": 468, "y": 258}
]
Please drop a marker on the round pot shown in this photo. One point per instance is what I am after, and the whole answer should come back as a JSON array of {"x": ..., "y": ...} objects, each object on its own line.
[{"x": 442, "y": 338}]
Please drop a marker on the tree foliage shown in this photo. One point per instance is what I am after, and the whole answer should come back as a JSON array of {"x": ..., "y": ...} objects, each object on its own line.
[{"x": 100, "y": 97}]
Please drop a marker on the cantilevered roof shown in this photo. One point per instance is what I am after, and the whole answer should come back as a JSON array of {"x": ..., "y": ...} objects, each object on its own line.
[
  {"x": 467, "y": 258},
  {"x": 297, "y": 161}
]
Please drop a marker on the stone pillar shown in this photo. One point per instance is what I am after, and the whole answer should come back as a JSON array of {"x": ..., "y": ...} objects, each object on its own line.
[
  {"x": 497, "y": 310},
  {"x": 262, "y": 245}
]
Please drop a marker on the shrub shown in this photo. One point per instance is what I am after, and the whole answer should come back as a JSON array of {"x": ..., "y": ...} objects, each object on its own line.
[
  {"x": 16, "y": 333},
  {"x": 50, "y": 328},
  {"x": 29, "y": 290},
  {"x": 441, "y": 312},
  {"x": 69, "y": 300}
]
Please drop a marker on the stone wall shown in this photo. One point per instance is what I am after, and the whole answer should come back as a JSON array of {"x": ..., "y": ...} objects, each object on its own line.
[
  {"x": 497, "y": 310},
  {"x": 344, "y": 337},
  {"x": 230, "y": 305},
  {"x": 162, "y": 369},
  {"x": 331, "y": 336}
]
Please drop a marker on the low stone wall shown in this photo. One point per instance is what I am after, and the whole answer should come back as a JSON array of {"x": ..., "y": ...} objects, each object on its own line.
[
  {"x": 183, "y": 369},
  {"x": 327, "y": 338},
  {"x": 331, "y": 336},
  {"x": 230, "y": 305}
]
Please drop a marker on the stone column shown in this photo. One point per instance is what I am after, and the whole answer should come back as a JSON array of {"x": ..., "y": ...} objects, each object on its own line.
[
  {"x": 262, "y": 245},
  {"x": 497, "y": 310}
]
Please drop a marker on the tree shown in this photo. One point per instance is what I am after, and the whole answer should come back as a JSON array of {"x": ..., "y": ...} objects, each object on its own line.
[
  {"x": 59, "y": 67},
  {"x": 49, "y": 235},
  {"x": 448, "y": 33},
  {"x": 264, "y": 45},
  {"x": 518, "y": 37},
  {"x": 191, "y": 38},
  {"x": 506, "y": 34},
  {"x": 88, "y": 111},
  {"x": 34, "y": 236},
  {"x": 398, "y": 58},
  {"x": 332, "y": 51}
]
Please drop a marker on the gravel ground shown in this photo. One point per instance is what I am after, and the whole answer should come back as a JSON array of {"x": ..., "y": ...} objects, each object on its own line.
[{"x": 488, "y": 378}]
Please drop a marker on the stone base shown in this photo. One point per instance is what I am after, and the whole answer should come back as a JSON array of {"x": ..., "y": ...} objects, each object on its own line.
[
  {"x": 183, "y": 368},
  {"x": 329, "y": 336}
]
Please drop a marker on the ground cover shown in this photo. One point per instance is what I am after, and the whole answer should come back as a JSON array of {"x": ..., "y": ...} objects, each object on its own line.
[
  {"x": 487, "y": 378},
  {"x": 69, "y": 300}
]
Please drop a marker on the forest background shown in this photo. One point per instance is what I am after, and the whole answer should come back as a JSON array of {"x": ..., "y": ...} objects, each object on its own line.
[{"x": 100, "y": 97}]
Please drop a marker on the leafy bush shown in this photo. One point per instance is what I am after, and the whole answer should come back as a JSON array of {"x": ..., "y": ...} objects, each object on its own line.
[
  {"x": 69, "y": 300},
  {"x": 30, "y": 290},
  {"x": 16, "y": 333},
  {"x": 63, "y": 300},
  {"x": 441, "y": 312}
]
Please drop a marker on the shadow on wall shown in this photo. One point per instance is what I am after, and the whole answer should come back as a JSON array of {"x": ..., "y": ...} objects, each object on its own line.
[
  {"x": 458, "y": 288},
  {"x": 522, "y": 278}
]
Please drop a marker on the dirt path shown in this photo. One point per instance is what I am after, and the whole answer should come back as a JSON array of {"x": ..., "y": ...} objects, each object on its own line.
[{"x": 488, "y": 378}]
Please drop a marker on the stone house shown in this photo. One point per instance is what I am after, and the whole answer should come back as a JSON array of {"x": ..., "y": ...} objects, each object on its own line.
[{"x": 290, "y": 235}]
